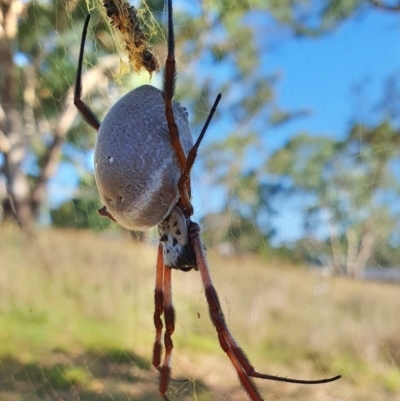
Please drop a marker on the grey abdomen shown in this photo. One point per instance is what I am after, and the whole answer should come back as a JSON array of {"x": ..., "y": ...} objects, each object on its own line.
[{"x": 136, "y": 169}]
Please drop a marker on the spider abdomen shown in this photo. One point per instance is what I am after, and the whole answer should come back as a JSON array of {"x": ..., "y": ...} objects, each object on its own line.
[{"x": 136, "y": 169}]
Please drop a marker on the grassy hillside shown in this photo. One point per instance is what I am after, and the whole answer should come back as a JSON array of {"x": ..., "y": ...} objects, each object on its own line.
[{"x": 76, "y": 324}]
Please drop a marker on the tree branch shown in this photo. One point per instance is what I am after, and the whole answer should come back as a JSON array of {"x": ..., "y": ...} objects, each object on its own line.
[
  {"x": 387, "y": 7},
  {"x": 51, "y": 158},
  {"x": 12, "y": 138}
]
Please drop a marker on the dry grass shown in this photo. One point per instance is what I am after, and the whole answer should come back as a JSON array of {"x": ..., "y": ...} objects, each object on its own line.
[{"x": 76, "y": 324}]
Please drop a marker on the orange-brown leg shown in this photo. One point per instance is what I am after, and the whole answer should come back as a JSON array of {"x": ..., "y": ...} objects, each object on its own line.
[
  {"x": 158, "y": 308},
  {"x": 169, "y": 316},
  {"x": 239, "y": 360},
  {"x": 163, "y": 304},
  {"x": 169, "y": 88}
]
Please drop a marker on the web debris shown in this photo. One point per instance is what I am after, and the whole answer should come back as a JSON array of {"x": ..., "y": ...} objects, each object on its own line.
[{"x": 131, "y": 42}]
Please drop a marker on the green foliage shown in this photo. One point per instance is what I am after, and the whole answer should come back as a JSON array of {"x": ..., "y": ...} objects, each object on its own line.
[
  {"x": 62, "y": 377},
  {"x": 49, "y": 72},
  {"x": 338, "y": 10},
  {"x": 49, "y": 39},
  {"x": 347, "y": 186},
  {"x": 56, "y": 62},
  {"x": 245, "y": 236},
  {"x": 235, "y": 233},
  {"x": 81, "y": 212}
]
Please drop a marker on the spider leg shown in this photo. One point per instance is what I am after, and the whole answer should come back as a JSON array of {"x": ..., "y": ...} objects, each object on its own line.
[
  {"x": 159, "y": 308},
  {"x": 169, "y": 88},
  {"x": 158, "y": 311},
  {"x": 169, "y": 317},
  {"x": 239, "y": 360},
  {"x": 184, "y": 181},
  {"x": 85, "y": 110},
  {"x": 163, "y": 304}
]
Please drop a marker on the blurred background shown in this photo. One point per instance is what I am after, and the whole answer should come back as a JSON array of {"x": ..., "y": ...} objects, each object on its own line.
[{"x": 296, "y": 189}]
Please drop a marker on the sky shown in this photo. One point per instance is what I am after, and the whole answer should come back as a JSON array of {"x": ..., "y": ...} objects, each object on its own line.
[{"x": 318, "y": 75}]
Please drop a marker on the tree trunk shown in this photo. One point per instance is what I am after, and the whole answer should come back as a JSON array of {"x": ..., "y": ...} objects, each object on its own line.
[
  {"x": 366, "y": 249},
  {"x": 352, "y": 252},
  {"x": 90, "y": 79},
  {"x": 24, "y": 199},
  {"x": 335, "y": 247},
  {"x": 359, "y": 251},
  {"x": 13, "y": 144}
]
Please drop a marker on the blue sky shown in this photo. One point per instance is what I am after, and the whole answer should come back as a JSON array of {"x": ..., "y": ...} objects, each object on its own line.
[
  {"x": 320, "y": 75},
  {"x": 317, "y": 75}
]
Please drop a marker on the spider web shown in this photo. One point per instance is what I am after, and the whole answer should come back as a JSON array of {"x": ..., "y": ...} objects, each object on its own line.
[{"x": 76, "y": 307}]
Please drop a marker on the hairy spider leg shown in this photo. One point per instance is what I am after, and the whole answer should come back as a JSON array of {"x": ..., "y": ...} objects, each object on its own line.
[
  {"x": 169, "y": 88},
  {"x": 158, "y": 307},
  {"x": 84, "y": 109},
  {"x": 163, "y": 304},
  {"x": 169, "y": 317},
  {"x": 238, "y": 358}
]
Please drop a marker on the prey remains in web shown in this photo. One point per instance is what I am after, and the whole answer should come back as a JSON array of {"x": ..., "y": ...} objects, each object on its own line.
[
  {"x": 143, "y": 158},
  {"x": 130, "y": 37}
]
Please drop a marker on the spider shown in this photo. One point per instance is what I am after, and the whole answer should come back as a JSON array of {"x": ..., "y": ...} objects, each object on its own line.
[{"x": 144, "y": 154}]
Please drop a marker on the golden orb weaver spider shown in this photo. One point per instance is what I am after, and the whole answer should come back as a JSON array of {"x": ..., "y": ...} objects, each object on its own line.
[{"x": 143, "y": 157}]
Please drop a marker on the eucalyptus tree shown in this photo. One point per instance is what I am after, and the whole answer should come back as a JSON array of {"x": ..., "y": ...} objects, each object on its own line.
[
  {"x": 38, "y": 51},
  {"x": 350, "y": 187},
  {"x": 219, "y": 46}
]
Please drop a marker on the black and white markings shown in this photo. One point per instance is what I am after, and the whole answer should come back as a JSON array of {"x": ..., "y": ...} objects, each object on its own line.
[{"x": 173, "y": 234}]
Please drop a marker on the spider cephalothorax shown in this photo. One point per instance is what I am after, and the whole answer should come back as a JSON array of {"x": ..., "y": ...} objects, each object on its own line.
[{"x": 143, "y": 158}]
